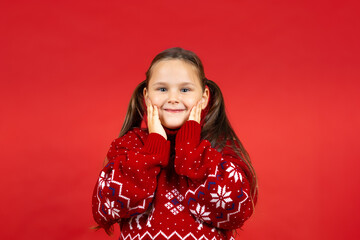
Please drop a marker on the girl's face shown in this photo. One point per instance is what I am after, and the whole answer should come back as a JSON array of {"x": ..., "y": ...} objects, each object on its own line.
[{"x": 174, "y": 87}]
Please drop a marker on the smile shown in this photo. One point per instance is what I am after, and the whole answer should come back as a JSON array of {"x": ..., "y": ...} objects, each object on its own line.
[{"x": 174, "y": 110}]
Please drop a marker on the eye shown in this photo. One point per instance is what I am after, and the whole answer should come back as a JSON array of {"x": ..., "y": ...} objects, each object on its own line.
[
  {"x": 185, "y": 89},
  {"x": 161, "y": 89}
]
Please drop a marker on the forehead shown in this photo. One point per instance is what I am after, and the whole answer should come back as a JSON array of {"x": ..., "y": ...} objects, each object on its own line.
[{"x": 174, "y": 71}]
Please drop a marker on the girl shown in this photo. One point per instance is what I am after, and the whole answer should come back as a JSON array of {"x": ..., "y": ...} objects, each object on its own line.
[{"x": 186, "y": 175}]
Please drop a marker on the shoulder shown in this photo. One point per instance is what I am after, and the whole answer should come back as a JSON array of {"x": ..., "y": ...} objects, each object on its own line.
[
  {"x": 133, "y": 136},
  {"x": 230, "y": 148},
  {"x": 232, "y": 151}
]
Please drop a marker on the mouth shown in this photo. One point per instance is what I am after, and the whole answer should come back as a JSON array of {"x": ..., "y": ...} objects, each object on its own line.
[{"x": 174, "y": 110}]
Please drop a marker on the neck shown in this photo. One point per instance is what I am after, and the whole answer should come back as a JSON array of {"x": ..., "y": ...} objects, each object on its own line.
[{"x": 170, "y": 131}]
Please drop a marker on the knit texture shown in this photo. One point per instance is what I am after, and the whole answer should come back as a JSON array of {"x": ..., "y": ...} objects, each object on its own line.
[{"x": 154, "y": 192}]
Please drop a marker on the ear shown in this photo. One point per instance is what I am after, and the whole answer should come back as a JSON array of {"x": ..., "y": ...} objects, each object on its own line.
[
  {"x": 145, "y": 93},
  {"x": 205, "y": 98}
]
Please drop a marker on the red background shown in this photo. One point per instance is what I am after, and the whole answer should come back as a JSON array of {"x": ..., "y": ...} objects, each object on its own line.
[{"x": 289, "y": 71}]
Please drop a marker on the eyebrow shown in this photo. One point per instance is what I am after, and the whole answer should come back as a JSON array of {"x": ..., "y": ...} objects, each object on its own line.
[{"x": 165, "y": 83}]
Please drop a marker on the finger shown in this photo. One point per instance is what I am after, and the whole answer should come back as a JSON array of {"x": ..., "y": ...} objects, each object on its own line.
[
  {"x": 195, "y": 111},
  {"x": 192, "y": 113},
  {"x": 153, "y": 111},
  {"x": 146, "y": 102},
  {"x": 156, "y": 112},
  {"x": 147, "y": 107},
  {"x": 198, "y": 115},
  {"x": 150, "y": 112}
]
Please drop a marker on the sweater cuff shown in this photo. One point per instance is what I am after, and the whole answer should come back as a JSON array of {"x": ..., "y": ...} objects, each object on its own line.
[
  {"x": 156, "y": 144},
  {"x": 189, "y": 132}
]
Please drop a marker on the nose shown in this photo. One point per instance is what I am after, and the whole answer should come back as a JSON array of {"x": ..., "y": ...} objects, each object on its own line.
[{"x": 173, "y": 97}]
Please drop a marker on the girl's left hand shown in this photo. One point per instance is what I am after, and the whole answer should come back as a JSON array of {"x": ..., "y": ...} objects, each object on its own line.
[{"x": 195, "y": 113}]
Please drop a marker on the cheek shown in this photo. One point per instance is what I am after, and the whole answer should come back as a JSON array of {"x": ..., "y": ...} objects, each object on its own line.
[
  {"x": 156, "y": 100},
  {"x": 191, "y": 102}
]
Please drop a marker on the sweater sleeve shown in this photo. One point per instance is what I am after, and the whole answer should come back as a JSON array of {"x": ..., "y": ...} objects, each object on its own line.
[
  {"x": 126, "y": 185},
  {"x": 219, "y": 190}
]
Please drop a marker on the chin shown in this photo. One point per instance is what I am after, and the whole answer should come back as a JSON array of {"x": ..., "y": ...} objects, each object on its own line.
[{"x": 173, "y": 125}]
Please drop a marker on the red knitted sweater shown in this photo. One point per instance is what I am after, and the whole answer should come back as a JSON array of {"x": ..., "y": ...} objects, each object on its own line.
[{"x": 180, "y": 188}]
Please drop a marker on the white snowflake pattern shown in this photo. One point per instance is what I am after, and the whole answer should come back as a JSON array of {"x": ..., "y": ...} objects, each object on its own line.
[
  {"x": 104, "y": 180},
  {"x": 111, "y": 209},
  {"x": 234, "y": 172},
  {"x": 221, "y": 197},
  {"x": 200, "y": 213}
]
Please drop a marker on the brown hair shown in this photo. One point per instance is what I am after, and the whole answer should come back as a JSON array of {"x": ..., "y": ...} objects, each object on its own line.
[{"x": 216, "y": 129}]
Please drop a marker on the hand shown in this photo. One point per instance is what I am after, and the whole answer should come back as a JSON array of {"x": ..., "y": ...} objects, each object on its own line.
[
  {"x": 154, "y": 124},
  {"x": 195, "y": 113}
]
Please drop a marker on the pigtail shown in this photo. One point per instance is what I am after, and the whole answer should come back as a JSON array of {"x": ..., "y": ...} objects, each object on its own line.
[
  {"x": 218, "y": 131},
  {"x": 133, "y": 118},
  {"x": 135, "y": 111}
]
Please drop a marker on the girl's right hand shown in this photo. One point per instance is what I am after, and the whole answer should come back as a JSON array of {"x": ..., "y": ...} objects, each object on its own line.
[{"x": 153, "y": 119}]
